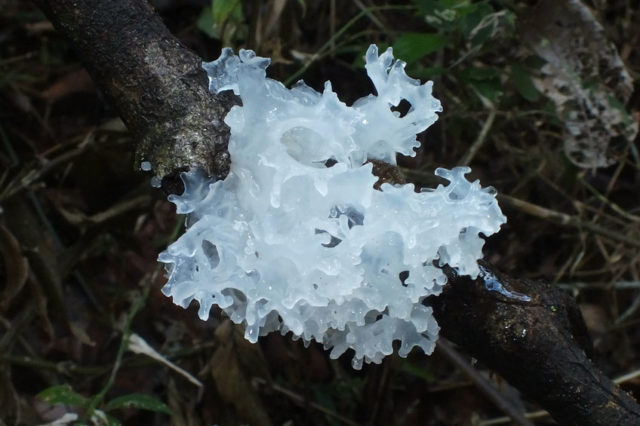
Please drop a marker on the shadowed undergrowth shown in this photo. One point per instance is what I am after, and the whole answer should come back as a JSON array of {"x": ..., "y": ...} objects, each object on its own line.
[{"x": 84, "y": 329}]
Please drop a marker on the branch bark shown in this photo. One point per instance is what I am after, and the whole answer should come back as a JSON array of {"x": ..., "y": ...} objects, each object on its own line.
[
  {"x": 160, "y": 90},
  {"x": 157, "y": 85},
  {"x": 540, "y": 346}
]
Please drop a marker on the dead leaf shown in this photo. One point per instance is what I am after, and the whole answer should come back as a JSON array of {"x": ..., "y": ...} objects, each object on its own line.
[
  {"x": 77, "y": 81},
  {"x": 77, "y": 217},
  {"x": 79, "y": 332},
  {"x": 598, "y": 323},
  {"x": 15, "y": 267},
  {"x": 584, "y": 77},
  {"x": 138, "y": 345},
  {"x": 40, "y": 27},
  {"x": 233, "y": 365}
]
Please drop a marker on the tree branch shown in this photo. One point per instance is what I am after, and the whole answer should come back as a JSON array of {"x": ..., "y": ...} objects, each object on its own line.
[
  {"x": 540, "y": 346},
  {"x": 157, "y": 85}
]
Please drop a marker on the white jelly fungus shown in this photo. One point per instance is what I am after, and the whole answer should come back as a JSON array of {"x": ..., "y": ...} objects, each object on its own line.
[{"x": 297, "y": 239}]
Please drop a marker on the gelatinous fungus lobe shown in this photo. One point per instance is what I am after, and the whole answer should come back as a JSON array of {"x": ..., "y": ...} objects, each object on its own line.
[{"x": 297, "y": 239}]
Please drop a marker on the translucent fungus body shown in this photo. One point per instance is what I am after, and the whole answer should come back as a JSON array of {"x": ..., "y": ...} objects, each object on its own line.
[{"x": 297, "y": 239}]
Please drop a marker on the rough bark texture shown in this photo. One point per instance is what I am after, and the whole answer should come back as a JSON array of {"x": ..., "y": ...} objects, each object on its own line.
[
  {"x": 540, "y": 346},
  {"x": 161, "y": 93},
  {"x": 157, "y": 85}
]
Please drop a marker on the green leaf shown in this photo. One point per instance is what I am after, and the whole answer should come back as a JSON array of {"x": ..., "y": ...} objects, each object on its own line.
[
  {"x": 490, "y": 89},
  {"x": 303, "y": 5},
  {"x": 534, "y": 62},
  {"x": 325, "y": 399},
  {"x": 112, "y": 421},
  {"x": 483, "y": 25},
  {"x": 224, "y": 21},
  {"x": 62, "y": 394},
  {"x": 417, "y": 371},
  {"x": 485, "y": 81},
  {"x": 222, "y": 10},
  {"x": 478, "y": 74},
  {"x": 521, "y": 79},
  {"x": 444, "y": 14},
  {"x": 100, "y": 418},
  {"x": 427, "y": 73},
  {"x": 474, "y": 18},
  {"x": 412, "y": 46},
  {"x": 206, "y": 24},
  {"x": 138, "y": 400}
]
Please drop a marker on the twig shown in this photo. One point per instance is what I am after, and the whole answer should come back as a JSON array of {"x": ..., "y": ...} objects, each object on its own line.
[
  {"x": 371, "y": 15},
  {"x": 79, "y": 218},
  {"x": 332, "y": 24},
  {"x": 22, "y": 182},
  {"x": 475, "y": 147},
  {"x": 628, "y": 313},
  {"x": 565, "y": 219},
  {"x": 124, "y": 342},
  {"x": 613, "y": 206},
  {"x": 502, "y": 420},
  {"x": 14, "y": 328},
  {"x": 482, "y": 383},
  {"x": 138, "y": 345},
  {"x": 302, "y": 400},
  {"x": 69, "y": 367},
  {"x": 618, "y": 285},
  {"x": 627, "y": 377},
  {"x": 65, "y": 368},
  {"x": 327, "y": 45},
  {"x": 380, "y": 393},
  {"x": 542, "y": 413},
  {"x": 18, "y": 58}
]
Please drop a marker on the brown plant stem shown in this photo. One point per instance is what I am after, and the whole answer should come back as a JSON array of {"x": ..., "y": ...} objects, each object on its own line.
[{"x": 157, "y": 85}]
